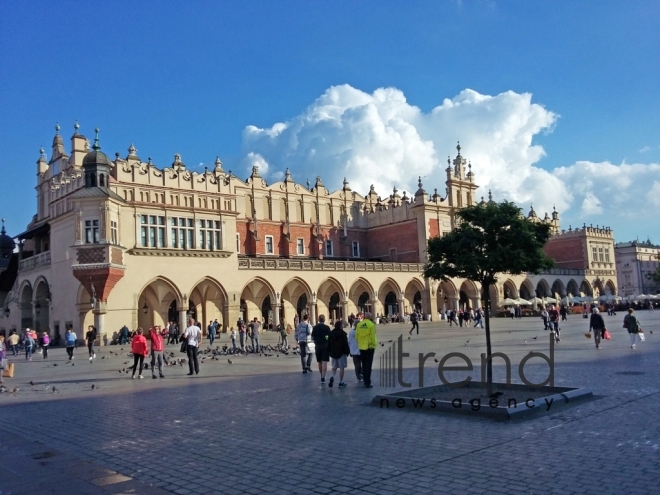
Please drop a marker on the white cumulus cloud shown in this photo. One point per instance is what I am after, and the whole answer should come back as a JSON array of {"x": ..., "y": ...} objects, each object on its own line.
[{"x": 381, "y": 139}]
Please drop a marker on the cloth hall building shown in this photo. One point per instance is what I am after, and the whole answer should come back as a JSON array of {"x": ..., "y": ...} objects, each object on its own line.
[{"x": 123, "y": 242}]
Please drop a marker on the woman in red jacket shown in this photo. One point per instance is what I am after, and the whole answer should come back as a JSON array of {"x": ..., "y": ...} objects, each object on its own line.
[{"x": 139, "y": 350}]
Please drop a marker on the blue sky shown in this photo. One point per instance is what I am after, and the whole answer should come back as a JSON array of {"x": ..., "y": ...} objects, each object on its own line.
[{"x": 189, "y": 77}]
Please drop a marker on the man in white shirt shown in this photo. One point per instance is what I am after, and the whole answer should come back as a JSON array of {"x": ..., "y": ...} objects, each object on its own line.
[{"x": 193, "y": 334}]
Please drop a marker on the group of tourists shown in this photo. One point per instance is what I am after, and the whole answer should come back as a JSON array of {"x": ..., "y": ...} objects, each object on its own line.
[
  {"x": 465, "y": 317},
  {"x": 335, "y": 346},
  {"x": 630, "y": 323}
]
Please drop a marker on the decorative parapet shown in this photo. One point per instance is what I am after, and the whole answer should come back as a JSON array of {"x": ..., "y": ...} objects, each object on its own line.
[
  {"x": 181, "y": 253},
  {"x": 38, "y": 260},
  {"x": 98, "y": 256},
  {"x": 323, "y": 265},
  {"x": 578, "y": 272}
]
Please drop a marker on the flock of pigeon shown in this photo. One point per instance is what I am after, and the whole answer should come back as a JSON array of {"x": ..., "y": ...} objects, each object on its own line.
[{"x": 211, "y": 354}]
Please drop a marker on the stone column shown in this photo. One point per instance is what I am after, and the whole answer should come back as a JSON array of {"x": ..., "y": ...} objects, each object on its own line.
[
  {"x": 402, "y": 307},
  {"x": 276, "y": 314},
  {"x": 231, "y": 315},
  {"x": 99, "y": 322},
  {"x": 344, "y": 310},
  {"x": 182, "y": 319},
  {"x": 312, "y": 312},
  {"x": 34, "y": 315}
]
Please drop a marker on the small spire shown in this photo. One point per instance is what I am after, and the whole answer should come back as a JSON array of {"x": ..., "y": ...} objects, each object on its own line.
[
  {"x": 458, "y": 147},
  {"x": 42, "y": 153},
  {"x": 287, "y": 175},
  {"x": 372, "y": 189},
  {"x": 96, "y": 146},
  {"x": 3, "y": 231},
  {"x": 117, "y": 155},
  {"x": 131, "y": 150},
  {"x": 395, "y": 190},
  {"x": 218, "y": 164},
  {"x": 76, "y": 126},
  {"x": 57, "y": 128},
  {"x": 345, "y": 182},
  {"x": 490, "y": 196},
  {"x": 419, "y": 182},
  {"x": 149, "y": 160},
  {"x": 449, "y": 162},
  {"x": 308, "y": 185}
]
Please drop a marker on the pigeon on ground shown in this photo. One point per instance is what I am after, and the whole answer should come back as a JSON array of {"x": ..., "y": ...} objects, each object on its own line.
[
  {"x": 382, "y": 344},
  {"x": 93, "y": 386},
  {"x": 16, "y": 389},
  {"x": 230, "y": 361},
  {"x": 31, "y": 383},
  {"x": 54, "y": 389},
  {"x": 54, "y": 364},
  {"x": 434, "y": 359}
]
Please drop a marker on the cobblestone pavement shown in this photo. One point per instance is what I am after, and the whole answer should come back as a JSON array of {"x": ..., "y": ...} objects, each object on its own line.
[{"x": 260, "y": 426}]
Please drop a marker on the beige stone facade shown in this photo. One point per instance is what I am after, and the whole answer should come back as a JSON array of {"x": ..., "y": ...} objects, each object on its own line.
[
  {"x": 124, "y": 242},
  {"x": 635, "y": 263}
]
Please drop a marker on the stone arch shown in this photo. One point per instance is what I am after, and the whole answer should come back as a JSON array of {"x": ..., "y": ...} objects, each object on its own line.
[
  {"x": 610, "y": 288},
  {"x": 543, "y": 289},
  {"x": 25, "y": 303},
  {"x": 527, "y": 291},
  {"x": 329, "y": 299},
  {"x": 509, "y": 290},
  {"x": 585, "y": 288},
  {"x": 209, "y": 299},
  {"x": 257, "y": 298},
  {"x": 447, "y": 296},
  {"x": 572, "y": 288},
  {"x": 356, "y": 296},
  {"x": 558, "y": 288},
  {"x": 469, "y": 295},
  {"x": 296, "y": 299},
  {"x": 598, "y": 288},
  {"x": 413, "y": 296},
  {"x": 389, "y": 305},
  {"x": 154, "y": 301},
  {"x": 42, "y": 305}
]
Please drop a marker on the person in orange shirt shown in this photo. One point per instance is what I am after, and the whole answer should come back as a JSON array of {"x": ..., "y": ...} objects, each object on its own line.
[{"x": 139, "y": 350}]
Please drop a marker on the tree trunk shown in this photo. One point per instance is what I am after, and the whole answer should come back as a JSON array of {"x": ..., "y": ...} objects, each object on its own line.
[{"x": 489, "y": 361}]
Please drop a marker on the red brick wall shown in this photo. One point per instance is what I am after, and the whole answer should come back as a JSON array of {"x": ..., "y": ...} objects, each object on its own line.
[
  {"x": 434, "y": 228},
  {"x": 567, "y": 253},
  {"x": 401, "y": 236}
]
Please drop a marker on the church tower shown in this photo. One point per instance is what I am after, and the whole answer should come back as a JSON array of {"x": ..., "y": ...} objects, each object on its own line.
[{"x": 461, "y": 188}]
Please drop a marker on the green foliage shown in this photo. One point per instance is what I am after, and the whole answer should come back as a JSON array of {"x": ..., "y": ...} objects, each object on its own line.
[
  {"x": 490, "y": 239},
  {"x": 655, "y": 276}
]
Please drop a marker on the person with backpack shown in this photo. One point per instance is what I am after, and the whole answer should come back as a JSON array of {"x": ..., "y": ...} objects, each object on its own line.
[
  {"x": 45, "y": 342},
  {"x": 631, "y": 323},
  {"x": 303, "y": 337},
  {"x": 414, "y": 319},
  {"x": 28, "y": 343},
  {"x": 70, "y": 342},
  {"x": 320, "y": 336},
  {"x": 339, "y": 351}
]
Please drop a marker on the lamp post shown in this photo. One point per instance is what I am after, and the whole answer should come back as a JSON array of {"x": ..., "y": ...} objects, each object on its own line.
[{"x": 145, "y": 308}]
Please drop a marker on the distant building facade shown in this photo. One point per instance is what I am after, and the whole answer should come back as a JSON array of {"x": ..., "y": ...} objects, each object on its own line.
[
  {"x": 122, "y": 242},
  {"x": 635, "y": 263}
]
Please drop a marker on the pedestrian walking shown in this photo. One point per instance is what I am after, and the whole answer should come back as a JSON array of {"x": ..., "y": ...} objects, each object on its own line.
[
  {"x": 303, "y": 337},
  {"x": 631, "y": 323},
  {"x": 194, "y": 336},
  {"x": 355, "y": 352},
  {"x": 414, "y": 319},
  {"x": 3, "y": 356},
  {"x": 90, "y": 337},
  {"x": 320, "y": 336},
  {"x": 284, "y": 334},
  {"x": 232, "y": 334},
  {"x": 45, "y": 342},
  {"x": 365, "y": 335},
  {"x": 70, "y": 342},
  {"x": 123, "y": 335},
  {"x": 140, "y": 351},
  {"x": 13, "y": 342},
  {"x": 211, "y": 331},
  {"x": 28, "y": 343},
  {"x": 478, "y": 318},
  {"x": 157, "y": 352},
  {"x": 597, "y": 324},
  {"x": 339, "y": 350}
]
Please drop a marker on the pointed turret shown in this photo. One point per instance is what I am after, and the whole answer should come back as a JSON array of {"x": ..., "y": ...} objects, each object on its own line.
[
  {"x": 42, "y": 164},
  {"x": 96, "y": 165},
  {"x": 218, "y": 166}
]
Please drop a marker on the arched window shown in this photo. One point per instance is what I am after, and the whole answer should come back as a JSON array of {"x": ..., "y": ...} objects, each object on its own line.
[
  {"x": 301, "y": 211},
  {"x": 101, "y": 180}
]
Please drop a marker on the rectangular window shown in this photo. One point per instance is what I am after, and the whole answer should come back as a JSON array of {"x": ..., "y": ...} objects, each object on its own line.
[
  {"x": 209, "y": 234},
  {"x": 328, "y": 248},
  {"x": 269, "y": 244},
  {"x": 600, "y": 254},
  {"x": 152, "y": 236},
  {"x": 175, "y": 244},
  {"x": 161, "y": 237},
  {"x": 594, "y": 252},
  {"x": 238, "y": 243},
  {"x": 300, "y": 243},
  {"x": 114, "y": 234},
  {"x": 356, "y": 249},
  {"x": 607, "y": 255},
  {"x": 91, "y": 231},
  {"x": 143, "y": 236}
]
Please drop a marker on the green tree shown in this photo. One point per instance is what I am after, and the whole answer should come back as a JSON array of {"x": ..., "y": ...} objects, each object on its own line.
[
  {"x": 655, "y": 276},
  {"x": 490, "y": 239}
]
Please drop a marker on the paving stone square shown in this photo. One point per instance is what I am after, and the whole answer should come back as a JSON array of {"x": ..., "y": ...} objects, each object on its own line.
[{"x": 260, "y": 426}]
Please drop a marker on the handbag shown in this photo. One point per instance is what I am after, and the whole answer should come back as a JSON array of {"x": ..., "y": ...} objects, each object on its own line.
[
  {"x": 184, "y": 345},
  {"x": 587, "y": 335},
  {"x": 607, "y": 335}
]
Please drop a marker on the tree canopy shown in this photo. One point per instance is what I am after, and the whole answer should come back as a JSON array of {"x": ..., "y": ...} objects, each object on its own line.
[{"x": 490, "y": 239}]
